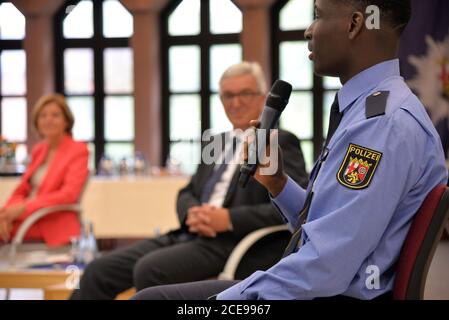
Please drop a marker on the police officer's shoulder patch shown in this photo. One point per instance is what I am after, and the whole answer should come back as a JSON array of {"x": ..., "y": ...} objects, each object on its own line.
[{"x": 358, "y": 167}]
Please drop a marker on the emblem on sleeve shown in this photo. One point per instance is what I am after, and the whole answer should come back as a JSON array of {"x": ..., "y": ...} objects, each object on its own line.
[{"x": 358, "y": 167}]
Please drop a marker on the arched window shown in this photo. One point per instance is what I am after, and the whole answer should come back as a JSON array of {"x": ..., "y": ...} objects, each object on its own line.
[
  {"x": 200, "y": 39},
  {"x": 13, "y": 104},
  {"x": 94, "y": 69},
  {"x": 307, "y": 114}
]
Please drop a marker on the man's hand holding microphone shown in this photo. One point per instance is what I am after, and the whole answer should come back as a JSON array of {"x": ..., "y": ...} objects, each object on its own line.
[{"x": 259, "y": 147}]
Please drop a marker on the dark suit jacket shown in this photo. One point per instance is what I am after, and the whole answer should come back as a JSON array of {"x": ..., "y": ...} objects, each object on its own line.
[{"x": 250, "y": 208}]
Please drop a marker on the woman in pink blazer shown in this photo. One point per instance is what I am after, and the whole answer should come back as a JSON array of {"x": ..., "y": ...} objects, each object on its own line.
[{"x": 56, "y": 175}]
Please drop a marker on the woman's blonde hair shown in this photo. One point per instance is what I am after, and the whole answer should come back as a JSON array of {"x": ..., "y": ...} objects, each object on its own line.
[{"x": 59, "y": 99}]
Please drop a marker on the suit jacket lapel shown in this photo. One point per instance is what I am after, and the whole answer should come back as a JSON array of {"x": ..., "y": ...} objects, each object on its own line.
[
  {"x": 206, "y": 172},
  {"x": 35, "y": 163},
  {"x": 55, "y": 162}
]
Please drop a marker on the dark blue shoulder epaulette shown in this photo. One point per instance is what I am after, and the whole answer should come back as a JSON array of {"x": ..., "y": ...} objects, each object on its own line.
[{"x": 376, "y": 104}]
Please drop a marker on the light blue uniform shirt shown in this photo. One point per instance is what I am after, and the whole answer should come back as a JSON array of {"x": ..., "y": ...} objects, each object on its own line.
[{"x": 350, "y": 234}]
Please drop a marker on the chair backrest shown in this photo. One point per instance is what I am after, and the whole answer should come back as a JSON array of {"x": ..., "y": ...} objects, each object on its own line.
[
  {"x": 258, "y": 250},
  {"x": 18, "y": 243},
  {"x": 420, "y": 244}
]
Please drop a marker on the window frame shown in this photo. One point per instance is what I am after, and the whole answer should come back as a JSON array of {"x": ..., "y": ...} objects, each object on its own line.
[
  {"x": 204, "y": 40},
  {"x": 98, "y": 43},
  {"x": 6, "y": 45},
  {"x": 317, "y": 90}
]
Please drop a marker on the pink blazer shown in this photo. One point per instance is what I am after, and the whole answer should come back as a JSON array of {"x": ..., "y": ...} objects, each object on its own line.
[{"x": 63, "y": 183}]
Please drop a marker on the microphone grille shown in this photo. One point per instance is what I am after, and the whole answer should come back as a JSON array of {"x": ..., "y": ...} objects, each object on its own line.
[{"x": 279, "y": 95}]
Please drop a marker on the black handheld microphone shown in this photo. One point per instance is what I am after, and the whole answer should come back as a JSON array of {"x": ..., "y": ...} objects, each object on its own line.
[{"x": 276, "y": 102}]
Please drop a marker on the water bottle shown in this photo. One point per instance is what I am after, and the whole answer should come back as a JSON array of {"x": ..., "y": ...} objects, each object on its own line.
[
  {"x": 106, "y": 167},
  {"x": 86, "y": 249},
  {"x": 81, "y": 245},
  {"x": 140, "y": 164},
  {"x": 123, "y": 167},
  {"x": 91, "y": 250}
]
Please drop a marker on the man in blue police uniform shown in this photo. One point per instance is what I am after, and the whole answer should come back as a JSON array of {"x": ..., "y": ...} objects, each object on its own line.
[{"x": 381, "y": 158}]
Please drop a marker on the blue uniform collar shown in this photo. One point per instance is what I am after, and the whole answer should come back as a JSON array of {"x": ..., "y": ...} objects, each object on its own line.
[{"x": 366, "y": 81}]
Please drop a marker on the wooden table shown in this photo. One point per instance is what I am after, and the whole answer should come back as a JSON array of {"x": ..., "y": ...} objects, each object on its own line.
[
  {"x": 56, "y": 284},
  {"x": 31, "y": 278},
  {"x": 61, "y": 292}
]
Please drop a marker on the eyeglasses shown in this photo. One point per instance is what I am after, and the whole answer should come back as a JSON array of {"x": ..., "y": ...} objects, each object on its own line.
[{"x": 245, "y": 96}]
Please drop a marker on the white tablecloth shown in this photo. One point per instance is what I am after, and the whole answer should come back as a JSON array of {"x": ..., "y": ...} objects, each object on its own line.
[{"x": 124, "y": 207}]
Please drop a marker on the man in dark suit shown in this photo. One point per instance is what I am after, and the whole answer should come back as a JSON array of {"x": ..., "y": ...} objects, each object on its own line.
[{"x": 214, "y": 213}]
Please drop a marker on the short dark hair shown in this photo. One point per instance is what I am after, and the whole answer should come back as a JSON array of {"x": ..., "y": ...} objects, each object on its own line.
[{"x": 396, "y": 12}]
